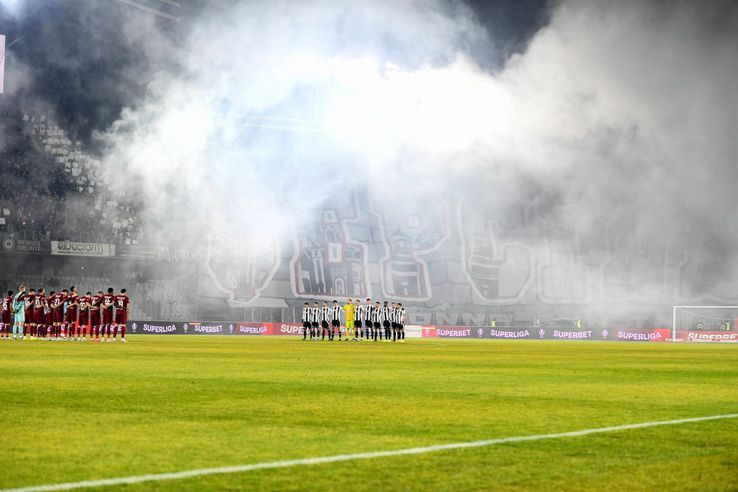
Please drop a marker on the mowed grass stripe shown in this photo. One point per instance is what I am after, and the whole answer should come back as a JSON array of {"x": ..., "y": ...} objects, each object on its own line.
[
  {"x": 351, "y": 457},
  {"x": 72, "y": 412}
]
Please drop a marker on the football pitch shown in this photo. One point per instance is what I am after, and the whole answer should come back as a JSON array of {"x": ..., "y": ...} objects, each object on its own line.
[{"x": 77, "y": 412}]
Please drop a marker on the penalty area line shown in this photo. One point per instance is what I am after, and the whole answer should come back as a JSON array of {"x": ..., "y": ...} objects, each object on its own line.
[{"x": 354, "y": 456}]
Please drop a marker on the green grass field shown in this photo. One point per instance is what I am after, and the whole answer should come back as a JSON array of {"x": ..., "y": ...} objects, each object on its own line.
[{"x": 73, "y": 411}]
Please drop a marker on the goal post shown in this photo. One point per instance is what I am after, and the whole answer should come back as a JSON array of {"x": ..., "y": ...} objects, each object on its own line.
[{"x": 704, "y": 324}]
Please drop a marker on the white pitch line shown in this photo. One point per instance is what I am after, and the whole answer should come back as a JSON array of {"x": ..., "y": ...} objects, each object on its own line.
[{"x": 348, "y": 457}]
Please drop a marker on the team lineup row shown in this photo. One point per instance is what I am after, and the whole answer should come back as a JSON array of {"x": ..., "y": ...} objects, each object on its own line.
[
  {"x": 366, "y": 321},
  {"x": 64, "y": 315}
]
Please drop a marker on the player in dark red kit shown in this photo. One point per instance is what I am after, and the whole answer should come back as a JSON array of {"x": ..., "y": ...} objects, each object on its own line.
[
  {"x": 29, "y": 327},
  {"x": 39, "y": 316},
  {"x": 56, "y": 314},
  {"x": 70, "y": 317},
  {"x": 63, "y": 296},
  {"x": 108, "y": 302},
  {"x": 95, "y": 315},
  {"x": 85, "y": 302},
  {"x": 121, "y": 314},
  {"x": 7, "y": 322},
  {"x": 50, "y": 314}
]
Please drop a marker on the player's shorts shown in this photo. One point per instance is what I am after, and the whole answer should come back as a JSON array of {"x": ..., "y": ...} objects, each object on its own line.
[
  {"x": 107, "y": 316},
  {"x": 306, "y": 324},
  {"x": 57, "y": 315},
  {"x": 20, "y": 317},
  {"x": 6, "y": 317},
  {"x": 357, "y": 323},
  {"x": 121, "y": 317},
  {"x": 39, "y": 317},
  {"x": 377, "y": 324},
  {"x": 386, "y": 324},
  {"x": 49, "y": 318},
  {"x": 84, "y": 318},
  {"x": 336, "y": 322},
  {"x": 400, "y": 326},
  {"x": 95, "y": 318},
  {"x": 315, "y": 324},
  {"x": 28, "y": 315},
  {"x": 324, "y": 324},
  {"x": 70, "y": 316},
  {"x": 349, "y": 323}
]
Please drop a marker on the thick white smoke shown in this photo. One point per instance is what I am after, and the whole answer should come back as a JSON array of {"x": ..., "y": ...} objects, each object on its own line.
[{"x": 622, "y": 116}]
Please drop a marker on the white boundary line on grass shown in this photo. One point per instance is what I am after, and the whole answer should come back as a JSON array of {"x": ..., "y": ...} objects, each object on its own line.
[{"x": 347, "y": 457}]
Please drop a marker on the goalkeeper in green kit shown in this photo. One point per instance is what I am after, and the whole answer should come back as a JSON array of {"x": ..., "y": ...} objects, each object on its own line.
[{"x": 19, "y": 308}]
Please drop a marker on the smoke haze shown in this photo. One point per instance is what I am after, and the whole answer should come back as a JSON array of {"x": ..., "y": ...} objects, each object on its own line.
[{"x": 609, "y": 134}]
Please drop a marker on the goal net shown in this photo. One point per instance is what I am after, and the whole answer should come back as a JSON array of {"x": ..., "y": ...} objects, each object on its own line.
[{"x": 705, "y": 324}]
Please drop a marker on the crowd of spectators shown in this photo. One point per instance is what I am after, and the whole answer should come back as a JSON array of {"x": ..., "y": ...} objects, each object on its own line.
[{"x": 51, "y": 188}]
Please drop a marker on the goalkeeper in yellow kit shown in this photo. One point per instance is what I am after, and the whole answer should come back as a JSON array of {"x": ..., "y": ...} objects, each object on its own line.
[{"x": 348, "y": 310}]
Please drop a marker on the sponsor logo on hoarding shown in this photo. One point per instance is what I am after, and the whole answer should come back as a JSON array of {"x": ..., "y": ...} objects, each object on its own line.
[
  {"x": 573, "y": 335},
  {"x": 203, "y": 328},
  {"x": 413, "y": 331},
  {"x": 24, "y": 246},
  {"x": 453, "y": 333},
  {"x": 156, "y": 328},
  {"x": 696, "y": 336},
  {"x": 509, "y": 333},
  {"x": 73, "y": 248},
  {"x": 254, "y": 329},
  {"x": 290, "y": 329},
  {"x": 643, "y": 336}
]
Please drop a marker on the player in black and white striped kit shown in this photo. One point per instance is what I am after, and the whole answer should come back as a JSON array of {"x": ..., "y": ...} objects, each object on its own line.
[
  {"x": 393, "y": 321},
  {"x": 336, "y": 321},
  {"x": 325, "y": 316},
  {"x": 358, "y": 317},
  {"x": 305, "y": 320},
  {"x": 377, "y": 321},
  {"x": 401, "y": 319},
  {"x": 387, "y": 321},
  {"x": 368, "y": 308},
  {"x": 314, "y": 320}
]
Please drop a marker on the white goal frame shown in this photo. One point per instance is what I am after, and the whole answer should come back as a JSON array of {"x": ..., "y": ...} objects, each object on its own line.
[{"x": 674, "y": 312}]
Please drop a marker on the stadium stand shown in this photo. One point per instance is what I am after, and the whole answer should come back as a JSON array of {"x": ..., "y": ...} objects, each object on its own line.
[{"x": 52, "y": 189}]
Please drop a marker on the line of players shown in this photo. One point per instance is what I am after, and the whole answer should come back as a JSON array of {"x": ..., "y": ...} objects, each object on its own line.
[
  {"x": 64, "y": 315},
  {"x": 378, "y": 322}
]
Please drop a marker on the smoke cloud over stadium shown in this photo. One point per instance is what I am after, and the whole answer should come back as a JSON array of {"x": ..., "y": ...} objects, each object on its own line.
[{"x": 611, "y": 128}]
